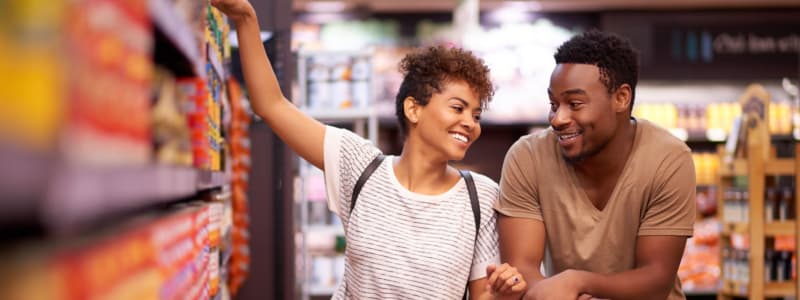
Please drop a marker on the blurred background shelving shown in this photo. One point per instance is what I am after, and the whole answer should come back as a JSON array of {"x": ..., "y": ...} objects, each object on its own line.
[{"x": 697, "y": 59}]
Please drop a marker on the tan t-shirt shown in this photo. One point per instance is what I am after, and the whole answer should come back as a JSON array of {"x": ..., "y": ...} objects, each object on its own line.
[{"x": 655, "y": 195}]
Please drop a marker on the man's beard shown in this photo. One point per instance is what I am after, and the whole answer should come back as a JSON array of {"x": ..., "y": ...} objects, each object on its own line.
[
  {"x": 574, "y": 160},
  {"x": 583, "y": 155}
]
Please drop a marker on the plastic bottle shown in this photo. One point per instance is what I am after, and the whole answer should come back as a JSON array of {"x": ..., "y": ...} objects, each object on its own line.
[
  {"x": 769, "y": 265},
  {"x": 769, "y": 205},
  {"x": 785, "y": 203}
]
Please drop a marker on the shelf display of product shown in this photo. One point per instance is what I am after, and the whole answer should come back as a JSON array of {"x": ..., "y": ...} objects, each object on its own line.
[
  {"x": 109, "y": 73},
  {"x": 140, "y": 186},
  {"x": 710, "y": 121},
  {"x": 240, "y": 163},
  {"x": 699, "y": 270},
  {"x": 335, "y": 80},
  {"x": 335, "y": 89},
  {"x": 171, "y": 134},
  {"x": 691, "y": 122},
  {"x": 321, "y": 256},
  {"x": 165, "y": 255},
  {"x": 700, "y": 266},
  {"x": 706, "y": 166},
  {"x": 125, "y": 138},
  {"x": 757, "y": 209},
  {"x": 34, "y": 60}
]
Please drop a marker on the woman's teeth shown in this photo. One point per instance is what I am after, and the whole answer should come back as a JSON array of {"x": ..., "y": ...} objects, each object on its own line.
[{"x": 459, "y": 137}]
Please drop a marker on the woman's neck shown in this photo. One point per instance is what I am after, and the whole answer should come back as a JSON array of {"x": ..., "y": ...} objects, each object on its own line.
[{"x": 419, "y": 173}]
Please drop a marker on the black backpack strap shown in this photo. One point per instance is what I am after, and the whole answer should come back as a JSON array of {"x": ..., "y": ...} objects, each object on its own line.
[
  {"x": 476, "y": 209},
  {"x": 363, "y": 179},
  {"x": 473, "y": 199}
]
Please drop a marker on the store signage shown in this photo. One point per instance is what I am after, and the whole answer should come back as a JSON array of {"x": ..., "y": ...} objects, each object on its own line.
[
  {"x": 708, "y": 45},
  {"x": 745, "y": 45},
  {"x": 753, "y": 43}
]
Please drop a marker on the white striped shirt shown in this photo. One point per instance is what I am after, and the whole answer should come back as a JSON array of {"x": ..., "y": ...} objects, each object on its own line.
[{"x": 400, "y": 244}]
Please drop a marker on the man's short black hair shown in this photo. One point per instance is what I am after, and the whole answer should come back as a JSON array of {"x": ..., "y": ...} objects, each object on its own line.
[{"x": 613, "y": 55}]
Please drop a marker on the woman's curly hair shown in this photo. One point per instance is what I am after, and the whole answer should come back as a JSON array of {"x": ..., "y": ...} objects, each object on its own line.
[{"x": 426, "y": 71}]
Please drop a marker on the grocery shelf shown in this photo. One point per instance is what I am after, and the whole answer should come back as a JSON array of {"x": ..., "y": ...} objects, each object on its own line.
[
  {"x": 316, "y": 240},
  {"x": 321, "y": 290},
  {"x": 307, "y": 52},
  {"x": 699, "y": 135},
  {"x": 700, "y": 292},
  {"x": 737, "y": 168},
  {"x": 772, "y": 167},
  {"x": 779, "y": 289},
  {"x": 771, "y": 289},
  {"x": 24, "y": 173},
  {"x": 714, "y": 135},
  {"x": 706, "y": 186},
  {"x": 770, "y": 229},
  {"x": 779, "y": 228},
  {"x": 755, "y": 239},
  {"x": 327, "y": 229},
  {"x": 779, "y": 167},
  {"x": 207, "y": 179},
  {"x": 344, "y": 114},
  {"x": 77, "y": 196},
  {"x": 680, "y": 133},
  {"x": 493, "y": 119},
  {"x": 178, "y": 31},
  {"x": 735, "y": 289},
  {"x": 731, "y": 228}
]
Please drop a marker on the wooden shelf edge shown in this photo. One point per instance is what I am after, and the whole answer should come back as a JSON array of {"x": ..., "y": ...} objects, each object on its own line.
[
  {"x": 774, "y": 167},
  {"x": 737, "y": 168},
  {"x": 778, "y": 167},
  {"x": 734, "y": 289},
  {"x": 780, "y": 228},
  {"x": 779, "y": 289},
  {"x": 730, "y": 228},
  {"x": 771, "y": 289}
]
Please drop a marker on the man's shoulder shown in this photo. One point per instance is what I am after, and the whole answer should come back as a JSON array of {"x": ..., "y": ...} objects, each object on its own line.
[
  {"x": 534, "y": 142},
  {"x": 657, "y": 139},
  {"x": 659, "y": 151}
]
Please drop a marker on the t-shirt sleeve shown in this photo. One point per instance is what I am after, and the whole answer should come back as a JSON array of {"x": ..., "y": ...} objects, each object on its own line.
[
  {"x": 671, "y": 211},
  {"x": 486, "y": 246},
  {"x": 518, "y": 191},
  {"x": 346, "y": 155}
]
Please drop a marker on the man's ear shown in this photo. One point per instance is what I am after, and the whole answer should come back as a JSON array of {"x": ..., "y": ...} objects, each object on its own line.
[
  {"x": 411, "y": 109},
  {"x": 622, "y": 98}
]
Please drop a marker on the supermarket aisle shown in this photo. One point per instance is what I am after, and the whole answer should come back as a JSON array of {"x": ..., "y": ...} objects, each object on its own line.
[{"x": 127, "y": 139}]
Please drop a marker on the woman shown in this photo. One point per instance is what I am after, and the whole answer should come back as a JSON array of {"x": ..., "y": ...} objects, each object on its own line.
[{"x": 412, "y": 234}]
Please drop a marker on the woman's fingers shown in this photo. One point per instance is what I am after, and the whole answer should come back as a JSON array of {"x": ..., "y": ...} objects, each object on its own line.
[{"x": 506, "y": 279}]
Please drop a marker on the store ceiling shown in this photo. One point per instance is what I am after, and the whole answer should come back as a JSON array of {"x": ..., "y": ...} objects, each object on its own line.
[{"x": 540, "y": 5}]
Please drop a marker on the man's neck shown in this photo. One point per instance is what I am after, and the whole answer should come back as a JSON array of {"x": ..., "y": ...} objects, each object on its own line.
[{"x": 613, "y": 157}]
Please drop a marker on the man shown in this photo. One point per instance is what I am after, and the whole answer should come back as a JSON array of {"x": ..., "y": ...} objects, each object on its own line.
[{"x": 611, "y": 197}]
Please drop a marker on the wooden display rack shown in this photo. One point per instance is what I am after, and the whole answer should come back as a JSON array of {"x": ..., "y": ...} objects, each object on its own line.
[{"x": 759, "y": 163}]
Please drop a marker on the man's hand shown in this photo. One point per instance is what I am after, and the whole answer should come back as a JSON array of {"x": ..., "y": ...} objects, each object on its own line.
[{"x": 565, "y": 285}]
